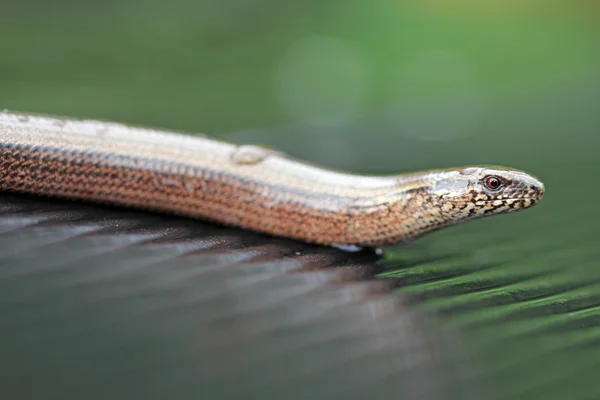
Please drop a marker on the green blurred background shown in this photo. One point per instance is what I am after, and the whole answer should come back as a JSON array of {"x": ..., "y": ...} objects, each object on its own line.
[{"x": 380, "y": 86}]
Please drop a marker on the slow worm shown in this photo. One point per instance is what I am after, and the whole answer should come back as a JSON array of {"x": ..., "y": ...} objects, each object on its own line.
[{"x": 246, "y": 186}]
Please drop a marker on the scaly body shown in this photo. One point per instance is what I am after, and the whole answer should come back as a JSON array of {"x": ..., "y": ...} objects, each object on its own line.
[{"x": 245, "y": 186}]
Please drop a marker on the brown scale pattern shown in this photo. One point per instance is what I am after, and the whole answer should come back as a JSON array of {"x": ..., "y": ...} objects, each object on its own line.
[{"x": 202, "y": 194}]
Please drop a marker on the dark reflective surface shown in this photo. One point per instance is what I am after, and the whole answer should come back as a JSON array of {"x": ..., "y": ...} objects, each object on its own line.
[{"x": 104, "y": 303}]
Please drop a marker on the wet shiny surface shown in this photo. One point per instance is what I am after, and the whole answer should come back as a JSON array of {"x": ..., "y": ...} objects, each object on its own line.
[{"x": 108, "y": 303}]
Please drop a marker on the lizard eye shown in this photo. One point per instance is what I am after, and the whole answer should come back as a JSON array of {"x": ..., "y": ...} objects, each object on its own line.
[{"x": 493, "y": 183}]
